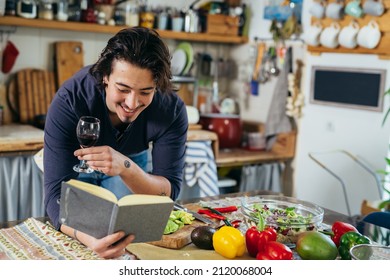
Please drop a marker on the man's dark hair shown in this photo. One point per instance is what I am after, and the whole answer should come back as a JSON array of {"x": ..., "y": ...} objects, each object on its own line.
[{"x": 142, "y": 47}]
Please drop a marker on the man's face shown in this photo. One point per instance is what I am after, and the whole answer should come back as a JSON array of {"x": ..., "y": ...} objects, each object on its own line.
[{"x": 129, "y": 90}]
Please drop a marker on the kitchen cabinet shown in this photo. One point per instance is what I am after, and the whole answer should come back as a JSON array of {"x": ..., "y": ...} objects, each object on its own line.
[{"x": 96, "y": 28}]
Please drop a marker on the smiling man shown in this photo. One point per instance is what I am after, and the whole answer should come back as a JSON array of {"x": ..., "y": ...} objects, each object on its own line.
[{"x": 129, "y": 90}]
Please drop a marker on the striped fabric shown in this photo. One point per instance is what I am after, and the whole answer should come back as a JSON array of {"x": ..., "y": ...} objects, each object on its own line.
[
  {"x": 200, "y": 168},
  {"x": 34, "y": 240}
]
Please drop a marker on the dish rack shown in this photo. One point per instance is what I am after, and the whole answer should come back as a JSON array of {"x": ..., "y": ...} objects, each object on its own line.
[{"x": 356, "y": 159}]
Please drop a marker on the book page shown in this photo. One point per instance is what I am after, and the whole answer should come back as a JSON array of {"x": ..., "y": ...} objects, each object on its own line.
[
  {"x": 140, "y": 199},
  {"x": 93, "y": 189}
]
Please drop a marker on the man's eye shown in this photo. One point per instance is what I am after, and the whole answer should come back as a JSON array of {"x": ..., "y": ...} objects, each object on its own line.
[{"x": 123, "y": 90}]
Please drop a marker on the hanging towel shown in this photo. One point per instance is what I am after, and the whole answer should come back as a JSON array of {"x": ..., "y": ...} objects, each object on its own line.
[
  {"x": 200, "y": 168},
  {"x": 261, "y": 177},
  {"x": 277, "y": 120}
]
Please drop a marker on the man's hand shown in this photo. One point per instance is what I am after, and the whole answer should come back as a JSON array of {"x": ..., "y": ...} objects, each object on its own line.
[
  {"x": 111, "y": 246},
  {"x": 103, "y": 159}
]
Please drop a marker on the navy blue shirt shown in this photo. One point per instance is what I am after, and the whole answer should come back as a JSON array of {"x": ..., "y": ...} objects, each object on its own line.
[{"x": 163, "y": 123}]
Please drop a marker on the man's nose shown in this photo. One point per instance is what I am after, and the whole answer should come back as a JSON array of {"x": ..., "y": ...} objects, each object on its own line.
[{"x": 132, "y": 100}]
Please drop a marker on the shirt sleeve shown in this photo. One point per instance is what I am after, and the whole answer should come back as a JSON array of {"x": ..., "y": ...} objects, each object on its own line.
[
  {"x": 59, "y": 145},
  {"x": 168, "y": 154}
]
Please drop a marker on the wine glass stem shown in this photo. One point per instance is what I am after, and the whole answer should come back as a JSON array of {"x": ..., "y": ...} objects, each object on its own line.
[{"x": 83, "y": 164}]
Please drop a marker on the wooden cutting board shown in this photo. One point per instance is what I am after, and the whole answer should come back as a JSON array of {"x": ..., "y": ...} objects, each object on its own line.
[
  {"x": 7, "y": 115},
  {"x": 182, "y": 237},
  {"x": 178, "y": 239},
  {"x": 69, "y": 59},
  {"x": 30, "y": 93}
]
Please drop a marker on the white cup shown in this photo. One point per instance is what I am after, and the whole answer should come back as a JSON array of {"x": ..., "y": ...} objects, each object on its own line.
[
  {"x": 312, "y": 36},
  {"x": 329, "y": 36},
  {"x": 177, "y": 24},
  {"x": 335, "y": 10},
  {"x": 162, "y": 21},
  {"x": 348, "y": 35},
  {"x": 374, "y": 8},
  {"x": 317, "y": 9},
  {"x": 369, "y": 35}
]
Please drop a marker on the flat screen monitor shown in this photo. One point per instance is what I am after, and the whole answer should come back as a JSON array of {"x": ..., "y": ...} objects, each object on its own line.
[{"x": 348, "y": 87}]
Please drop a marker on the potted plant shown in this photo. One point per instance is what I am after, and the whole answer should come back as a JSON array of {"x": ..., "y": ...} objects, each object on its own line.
[{"x": 385, "y": 204}]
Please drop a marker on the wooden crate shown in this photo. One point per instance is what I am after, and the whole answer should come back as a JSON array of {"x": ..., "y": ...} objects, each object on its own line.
[{"x": 222, "y": 25}]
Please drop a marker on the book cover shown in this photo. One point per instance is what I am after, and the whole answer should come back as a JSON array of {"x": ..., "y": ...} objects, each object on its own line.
[{"x": 96, "y": 211}]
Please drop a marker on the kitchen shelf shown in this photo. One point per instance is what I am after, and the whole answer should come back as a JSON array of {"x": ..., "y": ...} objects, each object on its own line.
[{"x": 97, "y": 28}]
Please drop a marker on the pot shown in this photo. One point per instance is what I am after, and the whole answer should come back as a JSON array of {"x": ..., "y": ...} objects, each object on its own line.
[{"x": 228, "y": 127}]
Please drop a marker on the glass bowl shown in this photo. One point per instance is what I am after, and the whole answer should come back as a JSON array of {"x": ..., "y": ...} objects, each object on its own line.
[
  {"x": 370, "y": 252},
  {"x": 287, "y": 215}
]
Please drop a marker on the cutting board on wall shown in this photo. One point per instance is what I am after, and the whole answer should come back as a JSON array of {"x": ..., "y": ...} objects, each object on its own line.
[
  {"x": 7, "y": 114},
  {"x": 69, "y": 58},
  {"x": 30, "y": 93}
]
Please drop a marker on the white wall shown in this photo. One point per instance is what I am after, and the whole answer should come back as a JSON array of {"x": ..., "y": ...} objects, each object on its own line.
[
  {"x": 324, "y": 128},
  {"x": 321, "y": 128}
]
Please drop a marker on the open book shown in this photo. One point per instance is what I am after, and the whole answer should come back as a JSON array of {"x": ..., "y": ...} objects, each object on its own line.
[{"x": 96, "y": 211}]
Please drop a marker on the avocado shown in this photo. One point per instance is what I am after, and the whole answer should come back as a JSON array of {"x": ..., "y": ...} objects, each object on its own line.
[
  {"x": 202, "y": 237},
  {"x": 314, "y": 245}
]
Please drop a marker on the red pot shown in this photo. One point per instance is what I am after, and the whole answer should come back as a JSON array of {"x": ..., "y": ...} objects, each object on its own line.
[{"x": 228, "y": 127}]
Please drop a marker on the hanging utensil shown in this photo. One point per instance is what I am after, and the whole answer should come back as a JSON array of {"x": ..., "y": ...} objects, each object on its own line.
[
  {"x": 273, "y": 70},
  {"x": 264, "y": 74},
  {"x": 256, "y": 71}
]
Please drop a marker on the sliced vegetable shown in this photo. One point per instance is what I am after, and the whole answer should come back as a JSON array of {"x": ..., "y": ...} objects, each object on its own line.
[
  {"x": 229, "y": 242},
  {"x": 177, "y": 220}
]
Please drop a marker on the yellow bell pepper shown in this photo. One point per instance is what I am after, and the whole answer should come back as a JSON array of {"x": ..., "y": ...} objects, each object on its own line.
[{"x": 229, "y": 242}]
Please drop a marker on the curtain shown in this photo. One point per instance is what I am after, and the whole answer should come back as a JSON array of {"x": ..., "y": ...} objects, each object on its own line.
[{"x": 21, "y": 188}]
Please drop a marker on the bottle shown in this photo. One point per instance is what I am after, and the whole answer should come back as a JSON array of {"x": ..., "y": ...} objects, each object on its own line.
[{"x": 62, "y": 10}]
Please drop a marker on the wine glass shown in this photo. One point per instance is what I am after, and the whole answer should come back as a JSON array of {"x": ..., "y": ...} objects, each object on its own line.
[{"x": 88, "y": 129}]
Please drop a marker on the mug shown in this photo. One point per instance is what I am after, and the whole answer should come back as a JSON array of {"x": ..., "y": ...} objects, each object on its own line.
[
  {"x": 177, "y": 23},
  {"x": 348, "y": 35},
  {"x": 369, "y": 35},
  {"x": 317, "y": 9},
  {"x": 335, "y": 10},
  {"x": 329, "y": 36},
  {"x": 312, "y": 36},
  {"x": 353, "y": 9},
  {"x": 162, "y": 21},
  {"x": 374, "y": 8}
]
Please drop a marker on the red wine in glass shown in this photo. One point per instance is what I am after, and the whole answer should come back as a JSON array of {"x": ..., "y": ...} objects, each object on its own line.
[
  {"x": 87, "y": 140},
  {"x": 88, "y": 129}
]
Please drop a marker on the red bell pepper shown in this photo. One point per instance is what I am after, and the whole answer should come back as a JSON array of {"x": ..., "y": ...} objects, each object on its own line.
[
  {"x": 257, "y": 236},
  {"x": 274, "y": 250},
  {"x": 338, "y": 229}
]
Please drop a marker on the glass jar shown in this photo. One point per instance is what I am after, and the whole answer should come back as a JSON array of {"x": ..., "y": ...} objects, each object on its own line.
[
  {"x": 62, "y": 10},
  {"x": 46, "y": 10}
]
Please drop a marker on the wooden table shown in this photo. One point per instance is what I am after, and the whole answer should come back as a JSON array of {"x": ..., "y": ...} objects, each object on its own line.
[{"x": 20, "y": 138}]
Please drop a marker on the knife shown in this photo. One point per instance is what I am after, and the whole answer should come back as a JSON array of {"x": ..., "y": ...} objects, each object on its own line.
[{"x": 197, "y": 216}]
